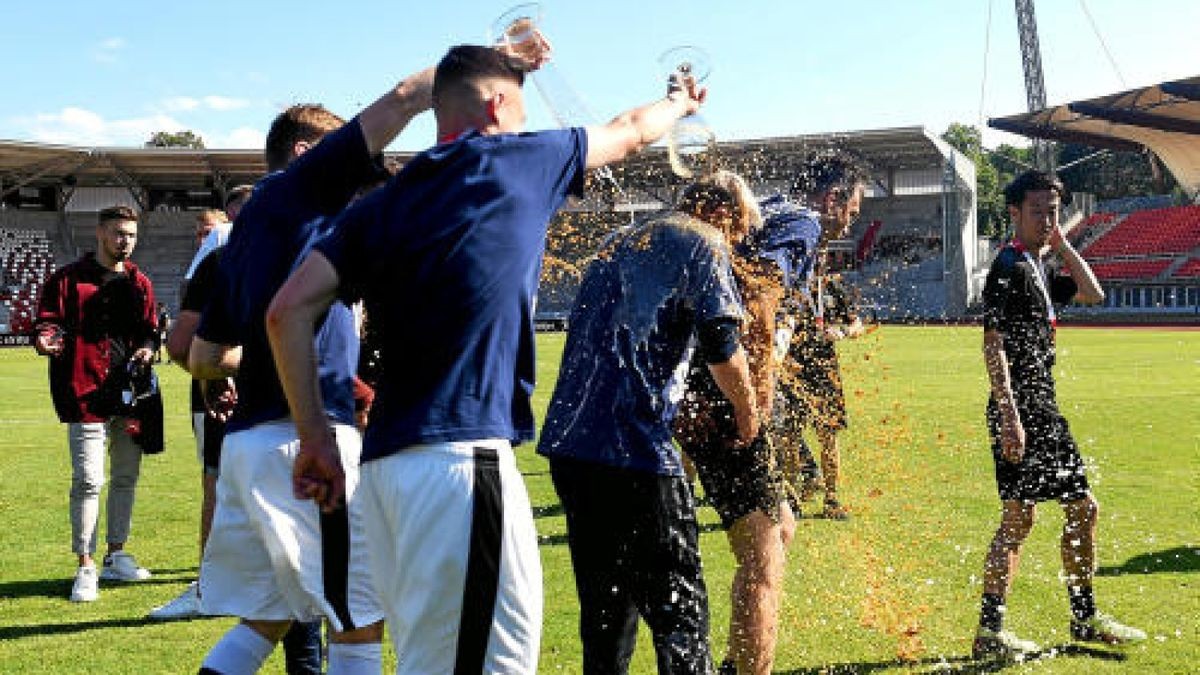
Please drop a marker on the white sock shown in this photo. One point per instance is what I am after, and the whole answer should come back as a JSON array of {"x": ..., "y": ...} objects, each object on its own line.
[
  {"x": 355, "y": 659},
  {"x": 240, "y": 652}
]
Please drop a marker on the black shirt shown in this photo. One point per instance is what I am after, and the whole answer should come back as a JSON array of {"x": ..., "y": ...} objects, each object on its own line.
[
  {"x": 1015, "y": 304},
  {"x": 195, "y": 297}
]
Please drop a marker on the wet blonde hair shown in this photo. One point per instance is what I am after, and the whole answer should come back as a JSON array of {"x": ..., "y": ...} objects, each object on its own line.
[{"x": 724, "y": 200}]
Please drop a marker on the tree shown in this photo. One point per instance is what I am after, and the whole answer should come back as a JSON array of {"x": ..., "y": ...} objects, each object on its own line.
[
  {"x": 990, "y": 212},
  {"x": 175, "y": 139},
  {"x": 1113, "y": 174}
]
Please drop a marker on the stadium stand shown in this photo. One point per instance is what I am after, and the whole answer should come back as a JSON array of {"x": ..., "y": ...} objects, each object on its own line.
[
  {"x": 1156, "y": 231},
  {"x": 1131, "y": 269},
  {"x": 1190, "y": 269},
  {"x": 27, "y": 261},
  {"x": 1146, "y": 259},
  {"x": 1092, "y": 228}
]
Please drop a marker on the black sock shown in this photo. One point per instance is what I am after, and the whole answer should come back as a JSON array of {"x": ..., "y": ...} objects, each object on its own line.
[
  {"x": 991, "y": 613},
  {"x": 1083, "y": 603}
]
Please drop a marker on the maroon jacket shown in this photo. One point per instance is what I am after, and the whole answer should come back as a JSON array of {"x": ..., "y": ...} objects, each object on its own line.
[{"x": 105, "y": 316}]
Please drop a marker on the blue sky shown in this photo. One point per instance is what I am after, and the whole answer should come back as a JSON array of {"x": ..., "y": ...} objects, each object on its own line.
[{"x": 112, "y": 73}]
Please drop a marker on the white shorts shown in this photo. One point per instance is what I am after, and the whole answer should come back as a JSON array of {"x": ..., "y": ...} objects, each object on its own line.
[
  {"x": 454, "y": 556},
  {"x": 273, "y": 557}
]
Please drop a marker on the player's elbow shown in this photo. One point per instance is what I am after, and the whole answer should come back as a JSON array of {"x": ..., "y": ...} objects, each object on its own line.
[
  {"x": 208, "y": 361},
  {"x": 283, "y": 311},
  {"x": 177, "y": 352},
  {"x": 1090, "y": 297}
]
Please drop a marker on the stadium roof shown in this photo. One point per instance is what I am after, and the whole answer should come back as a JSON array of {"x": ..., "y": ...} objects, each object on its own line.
[
  {"x": 778, "y": 159},
  {"x": 1164, "y": 118},
  {"x": 25, "y": 164}
]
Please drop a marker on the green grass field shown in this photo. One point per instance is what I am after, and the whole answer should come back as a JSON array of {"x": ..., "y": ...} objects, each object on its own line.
[{"x": 894, "y": 590}]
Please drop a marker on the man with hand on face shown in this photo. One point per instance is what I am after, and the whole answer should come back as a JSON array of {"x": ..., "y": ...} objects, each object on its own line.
[
  {"x": 446, "y": 257},
  {"x": 1035, "y": 455}
]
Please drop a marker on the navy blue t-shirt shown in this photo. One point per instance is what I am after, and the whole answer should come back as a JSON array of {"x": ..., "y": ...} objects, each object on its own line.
[
  {"x": 789, "y": 237},
  {"x": 631, "y": 337},
  {"x": 286, "y": 212},
  {"x": 446, "y": 257}
]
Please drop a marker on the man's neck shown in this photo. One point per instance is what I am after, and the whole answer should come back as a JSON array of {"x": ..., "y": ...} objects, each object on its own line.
[
  {"x": 1035, "y": 249},
  {"x": 109, "y": 263}
]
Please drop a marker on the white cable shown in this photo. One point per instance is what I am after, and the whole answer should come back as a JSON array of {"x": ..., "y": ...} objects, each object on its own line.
[
  {"x": 987, "y": 44},
  {"x": 1103, "y": 44}
]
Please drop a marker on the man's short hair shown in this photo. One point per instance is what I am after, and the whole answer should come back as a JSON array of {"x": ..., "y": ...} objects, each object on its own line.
[
  {"x": 204, "y": 215},
  {"x": 236, "y": 194},
  {"x": 119, "y": 213},
  {"x": 1033, "y": 180},
  {"x": 463, "y": 65},
  {"x": 307, "y": 122},
  {"x": 829, "y": 170}
]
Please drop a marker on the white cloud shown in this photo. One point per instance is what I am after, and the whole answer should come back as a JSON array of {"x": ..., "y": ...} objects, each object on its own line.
[
  {"x": 82, "y": 127},
  {"x": 79, "y": 126},
  {"x": 106, "y": 50},
  {"x": 222, "y": 103},
  {"x": 240, "y": 138},
  {"x": 180, "y": 103},
  {"x": 210, "y": 102}
]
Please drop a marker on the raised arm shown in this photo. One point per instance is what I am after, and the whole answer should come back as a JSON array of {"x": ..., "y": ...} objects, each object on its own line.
[
  {"x": 635, "y": 129},
  {"x": 1089, "y": 291},
  {"x": 291, "y": 322},
  {"x": 384, "y": 119}
]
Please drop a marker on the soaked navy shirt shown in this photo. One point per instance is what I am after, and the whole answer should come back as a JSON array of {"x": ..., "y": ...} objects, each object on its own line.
[
  {"x": 1015, "y": 304},
  {"x": 286, "y": 211},
  {"x": 789, "y": 237},
  {"x": 447, "y": 257},
  {"x": 630, "y": 341}
]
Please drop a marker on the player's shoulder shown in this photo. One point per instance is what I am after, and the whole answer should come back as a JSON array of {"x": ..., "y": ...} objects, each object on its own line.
[
  {"x": 1007, "y": 260},
  {"x": 681, "y": 226}
]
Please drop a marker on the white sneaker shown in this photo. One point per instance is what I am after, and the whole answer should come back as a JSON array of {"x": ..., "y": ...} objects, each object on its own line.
[
  {"x": 185, "y": 606},
  {"x": 121, "y": 566},
  {"x": 87, "y": 585}
]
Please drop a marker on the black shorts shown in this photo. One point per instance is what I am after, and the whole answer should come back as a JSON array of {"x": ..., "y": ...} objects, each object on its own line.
[
  {"x": 209, "y": 436},
  {"x": 809, "y": 392},
  {"x": 739, "y": 480},
  {"x": 1050, "y": 470}
]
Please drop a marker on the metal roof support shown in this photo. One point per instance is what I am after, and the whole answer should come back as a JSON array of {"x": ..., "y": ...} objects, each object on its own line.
[
  {"x": 127, "y": 181},
  {"x": 1035, "y": 88},
  {"x": 1136, "y": 117},
  {"x": 1034, "y": 130},
  {"x": 45, "y": 168}
]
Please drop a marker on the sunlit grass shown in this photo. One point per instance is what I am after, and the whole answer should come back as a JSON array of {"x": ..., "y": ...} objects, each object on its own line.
[{"x": 893, "y": 589}]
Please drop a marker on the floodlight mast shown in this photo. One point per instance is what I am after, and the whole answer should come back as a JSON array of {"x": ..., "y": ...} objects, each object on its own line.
[{"x": 1035, "y": 88}]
